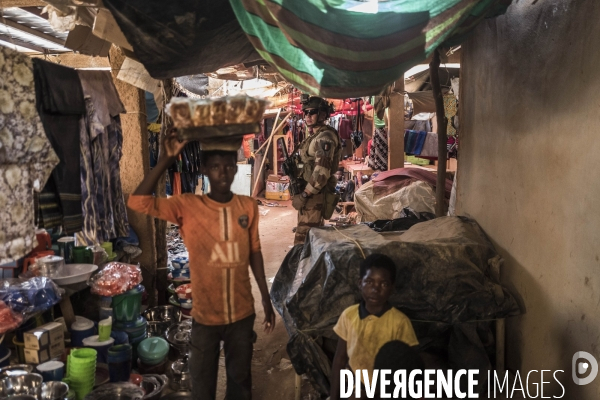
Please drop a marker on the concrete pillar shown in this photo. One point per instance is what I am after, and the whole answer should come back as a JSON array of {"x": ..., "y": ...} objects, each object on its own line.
[
  {"x": 135, "y": 164},
  {"x": 395, "y": 125}
]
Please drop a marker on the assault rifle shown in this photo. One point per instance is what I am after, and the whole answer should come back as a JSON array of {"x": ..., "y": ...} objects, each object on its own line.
[{"x": 290, "y": 168}]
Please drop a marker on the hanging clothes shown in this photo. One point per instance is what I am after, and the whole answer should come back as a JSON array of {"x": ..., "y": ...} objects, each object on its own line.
[
  {"x": 430, "y": 147},
  {"x": 153, "y": 143},
  {"x": 345, "y": 128},
  {"x": 26, "y": 155},
  {"x": 61, "y": 107},
  {"x": 450, "y": 109},
  {"x": 378, "y": 158},
  {"x": 101, "y": 140}
]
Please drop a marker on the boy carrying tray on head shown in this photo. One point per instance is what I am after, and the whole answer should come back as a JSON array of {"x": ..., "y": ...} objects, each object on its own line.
[
  {"x": 364, "y": 328},
  {"x": 220, "y": 231}
]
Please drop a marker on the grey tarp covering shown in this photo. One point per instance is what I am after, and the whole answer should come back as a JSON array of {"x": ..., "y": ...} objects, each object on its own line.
[
  {"x": 444, "y": 284},
  {"x": 182, "y": 37}
]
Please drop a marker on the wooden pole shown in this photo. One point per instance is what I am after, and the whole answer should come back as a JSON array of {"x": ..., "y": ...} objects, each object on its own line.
[
  {"x": 162, "y": 256},
  {"x": 440, "y": 202},
  {"x": 395, "y": 126},
  {"x": 275, "y": 129}
]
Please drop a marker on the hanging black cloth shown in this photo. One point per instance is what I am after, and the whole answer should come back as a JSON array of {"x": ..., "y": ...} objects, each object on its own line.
[{"x": 61, "y": 106}]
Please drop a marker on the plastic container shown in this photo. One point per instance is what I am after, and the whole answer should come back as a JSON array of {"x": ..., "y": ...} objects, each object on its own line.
[
  {"x": 80, "y": 329},
  {"x": 104, "y": 328},
  {"x": 119, "y": 363},
  {"x": 153, "y": 351},
  {"x": 100, "y": 346},
  {"x": 51, "y": 371},
  {"x": 126, "y": 306}
]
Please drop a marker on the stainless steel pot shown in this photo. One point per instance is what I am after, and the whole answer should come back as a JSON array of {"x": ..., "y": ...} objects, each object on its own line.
[
  {"x": 181, "y": 377},
  {"x": 21, "y": 384},
  {"x": 53, "y": 391},
  {"x": 17, "y": 369},
  {"x": 50, "y": 266}
]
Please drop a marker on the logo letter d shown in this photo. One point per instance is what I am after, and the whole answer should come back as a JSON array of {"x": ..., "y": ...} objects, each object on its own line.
[{"x": 581, "y": 368}]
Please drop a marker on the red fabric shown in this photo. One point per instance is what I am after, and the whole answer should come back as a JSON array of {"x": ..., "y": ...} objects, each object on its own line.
[
  {"x": 345, "y": 128},
  {"x": 369, "y": 144},
  {"x": 246, "y": 143},
  {"x": 384, "y": 179},
  {"x": 176, "y": 183}
]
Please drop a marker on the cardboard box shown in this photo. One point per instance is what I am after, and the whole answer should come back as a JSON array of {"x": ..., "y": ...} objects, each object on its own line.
[
  {"x": 55, "y": 350},
  {"x": 44, "y": 336},
  {"x": 277, "y": 188},
  {"x": 82, "y": 39}
]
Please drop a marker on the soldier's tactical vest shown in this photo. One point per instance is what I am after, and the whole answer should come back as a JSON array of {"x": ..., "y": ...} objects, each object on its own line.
[{"x": 308, "y": 160}]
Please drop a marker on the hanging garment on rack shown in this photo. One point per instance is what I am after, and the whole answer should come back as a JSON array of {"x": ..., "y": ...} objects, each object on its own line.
[
  {"x": 450, "y": 109},
  {"x": 26, "y": 156},
  {"x": 430, "y": 147},
  {"x": 104, "y": 212},
  {"x": 153, "y": 143},
  {"x": 345, "y": 128},
  {"x": 378, "y": 158},
  {"x": 61, "y": 107},
  {"x": 414, "y": 142}
]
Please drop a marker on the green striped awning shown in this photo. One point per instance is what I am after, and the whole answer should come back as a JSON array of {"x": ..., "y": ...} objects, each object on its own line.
[{"x": 341, "y": 49}]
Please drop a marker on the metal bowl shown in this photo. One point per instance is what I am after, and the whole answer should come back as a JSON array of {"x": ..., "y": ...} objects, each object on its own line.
[
  {"x": 165, "y": 314},
  {"x": 17, "y": 369},
  {"x": 116, "y": 391},
  {"x": 178, "y": 396},
  {"x": 21, "y": 384},
  {"x": 157, "y": 328},
  {"x": 53, "y": 391},
  {"x": 153, "y": 385},
  {"x": 20, "y": 397}
]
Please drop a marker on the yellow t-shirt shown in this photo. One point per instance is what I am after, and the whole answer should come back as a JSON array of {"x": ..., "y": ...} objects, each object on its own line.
[{"x": 365, "y": 336}]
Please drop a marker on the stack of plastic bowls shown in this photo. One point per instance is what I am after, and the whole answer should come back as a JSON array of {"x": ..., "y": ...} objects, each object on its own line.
[
  {"x": 100, "y": 347},
  {"x": 119, "y": 362},
  {"x": 181, "y": 268},
  {"x": 81, "y": 371}
]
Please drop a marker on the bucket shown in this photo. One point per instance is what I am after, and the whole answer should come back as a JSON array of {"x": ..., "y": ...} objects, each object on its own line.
[
  {"x": 126, "y": 307},
  {"x": 100, "y": 347},
  {"x": 80, "y": 329}
]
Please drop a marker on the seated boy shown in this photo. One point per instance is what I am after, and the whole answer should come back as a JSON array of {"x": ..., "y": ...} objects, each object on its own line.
[
  {"x": 398, "y": 356},
  {"x": 364, "y": 328},
  {"x": 220, "y": 231}
]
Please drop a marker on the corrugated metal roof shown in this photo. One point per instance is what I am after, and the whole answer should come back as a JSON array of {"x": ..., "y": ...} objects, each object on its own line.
[{"x": 29, "y": 32}]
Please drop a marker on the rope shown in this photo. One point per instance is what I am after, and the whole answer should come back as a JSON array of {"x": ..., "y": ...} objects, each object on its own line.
[{"x": 349, "y": 238}]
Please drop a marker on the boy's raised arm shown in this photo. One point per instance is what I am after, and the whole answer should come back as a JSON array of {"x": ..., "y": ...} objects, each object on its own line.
[{"x": 172, "y": 148}]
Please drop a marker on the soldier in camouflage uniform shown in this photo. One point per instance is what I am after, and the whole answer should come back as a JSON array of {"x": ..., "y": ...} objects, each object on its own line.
[{"x": 320, "y": 156}]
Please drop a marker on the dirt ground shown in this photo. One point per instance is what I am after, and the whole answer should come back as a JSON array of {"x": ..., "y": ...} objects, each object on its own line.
[{"x": 269, "y": 380}]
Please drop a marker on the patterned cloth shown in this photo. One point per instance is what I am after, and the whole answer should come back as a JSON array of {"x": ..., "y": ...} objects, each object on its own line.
[
  {"x": 378, "y": 159},
  {"x": 450, "y": 109},
  {"x": 26, "y": 156},
  {"x": 101, "y": 139}
]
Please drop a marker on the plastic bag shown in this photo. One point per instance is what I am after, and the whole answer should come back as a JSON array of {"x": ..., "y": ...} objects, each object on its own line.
[
  {"x": 116, "y": 278},
  {"x": 20, "y": 299}
]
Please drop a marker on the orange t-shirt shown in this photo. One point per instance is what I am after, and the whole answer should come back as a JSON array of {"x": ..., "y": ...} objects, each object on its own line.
[{"x": 220, "y": 237}]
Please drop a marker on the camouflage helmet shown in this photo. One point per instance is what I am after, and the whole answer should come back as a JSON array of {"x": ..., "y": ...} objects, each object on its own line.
[{"x": 318, "y": 103}]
